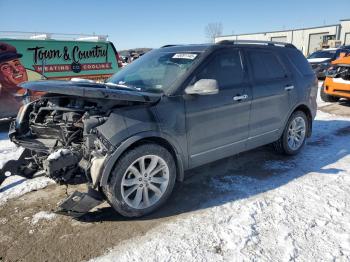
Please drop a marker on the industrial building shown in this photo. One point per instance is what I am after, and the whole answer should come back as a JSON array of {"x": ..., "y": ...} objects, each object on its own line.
[{"x": 307, "y": 40}]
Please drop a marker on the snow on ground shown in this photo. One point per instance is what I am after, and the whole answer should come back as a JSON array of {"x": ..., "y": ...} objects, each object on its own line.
[
  {"x": 8, "y": 150},
  {"x": 43, "y": 215},
  {"x": 16, "y": 186},
  {"x": 302, "y": 214}
]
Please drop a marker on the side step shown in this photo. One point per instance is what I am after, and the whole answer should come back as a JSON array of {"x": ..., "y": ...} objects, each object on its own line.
[{"x": 78, "y": 203}]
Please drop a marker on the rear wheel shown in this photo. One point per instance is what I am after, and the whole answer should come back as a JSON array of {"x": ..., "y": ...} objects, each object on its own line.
[
  {"x": 141, "y": 181},
  {"x": 328, "y": 98},
  {"x": 294, "y": 134}
]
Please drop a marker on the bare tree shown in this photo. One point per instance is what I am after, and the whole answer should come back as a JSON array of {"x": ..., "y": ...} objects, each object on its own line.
[{"x": 213, "y": 30}]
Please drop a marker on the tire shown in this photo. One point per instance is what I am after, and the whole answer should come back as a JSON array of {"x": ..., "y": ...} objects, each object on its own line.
[
  {"x": 328, "y": 98},
  {"x": 126, "y": 177},
  {"x": 284, "y": 144}
]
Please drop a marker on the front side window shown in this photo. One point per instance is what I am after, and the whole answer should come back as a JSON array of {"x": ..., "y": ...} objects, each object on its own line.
[
  {"x": 225, "y": 67},
  {"x": 265, "y": 65},
  {"x": 155, "y": 71}
]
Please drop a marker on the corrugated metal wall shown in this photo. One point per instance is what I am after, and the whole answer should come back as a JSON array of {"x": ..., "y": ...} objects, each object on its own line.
[{"x": 305, "y": 39}]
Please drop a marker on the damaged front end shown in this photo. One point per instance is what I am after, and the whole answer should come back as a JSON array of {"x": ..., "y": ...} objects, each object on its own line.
[
  {"x": 58, "y": 132},
  {"x": 341, "y": 71},
  {"x": 60, "y": 137},
  {"x": 337, "y": 82},
  {"x": 60, "y": 140}
]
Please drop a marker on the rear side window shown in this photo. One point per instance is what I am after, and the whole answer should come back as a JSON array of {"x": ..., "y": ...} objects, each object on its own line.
[
  {"x": 299, "y": 61},
  {"x": 225, "y": 67},
  {"x": 266, "y": 65}
]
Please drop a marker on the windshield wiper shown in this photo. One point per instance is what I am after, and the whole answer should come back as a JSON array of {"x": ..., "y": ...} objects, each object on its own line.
[{"x": 113, "y": 85}]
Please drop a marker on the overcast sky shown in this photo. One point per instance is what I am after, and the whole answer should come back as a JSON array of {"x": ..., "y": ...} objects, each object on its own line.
[{"x": 132, "y": 24}]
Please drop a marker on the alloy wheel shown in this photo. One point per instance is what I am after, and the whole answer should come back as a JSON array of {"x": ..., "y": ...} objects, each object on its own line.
[
  {"x": 296, "y": 133},
  {"x": 145, "y": 181}
]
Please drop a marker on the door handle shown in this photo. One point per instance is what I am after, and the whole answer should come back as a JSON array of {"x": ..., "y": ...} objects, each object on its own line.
[
  {"x": 287, "y": 88},
  {"x": 239, "y": 98}
]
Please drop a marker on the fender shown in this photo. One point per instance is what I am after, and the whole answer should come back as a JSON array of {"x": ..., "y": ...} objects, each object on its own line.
[
  {"x": 111, "y": 159},
  {"x": 291, "y": 112}
]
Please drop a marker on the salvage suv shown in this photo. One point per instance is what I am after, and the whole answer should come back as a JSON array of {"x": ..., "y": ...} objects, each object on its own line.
[
  {"x": 173, "y": 109},
  {"x": 337, "y": 82}
]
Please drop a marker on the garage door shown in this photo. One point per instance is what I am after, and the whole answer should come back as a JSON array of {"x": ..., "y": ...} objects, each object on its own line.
[
  {"x": 347, "y": 38},
  {"x": 279, "y": 39},
  {"x": 315, "y": 41}
]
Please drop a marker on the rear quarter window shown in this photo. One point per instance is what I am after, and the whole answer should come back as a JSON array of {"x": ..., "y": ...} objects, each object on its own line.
[
  {"x": 266, "y": 65},
  {"x": 300, "y": 63}
]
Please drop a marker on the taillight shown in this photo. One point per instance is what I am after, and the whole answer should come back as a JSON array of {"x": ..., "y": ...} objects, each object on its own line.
[{"x": 119, "y": 61}]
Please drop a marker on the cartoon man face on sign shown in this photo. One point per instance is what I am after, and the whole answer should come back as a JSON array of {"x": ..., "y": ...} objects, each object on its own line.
[{"x": 12, "y": 72}]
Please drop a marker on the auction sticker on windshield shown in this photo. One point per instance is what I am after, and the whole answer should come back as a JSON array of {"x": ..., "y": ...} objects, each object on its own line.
[{"x": 185, "y": 56}]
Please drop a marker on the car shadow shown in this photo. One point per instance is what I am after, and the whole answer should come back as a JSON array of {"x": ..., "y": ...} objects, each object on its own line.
[
  {"x": 344, "y": 102},
  {"x": 4, "y": 126},
  {"x": 247, "y": 174},
  {"x": 4, "y": 129}
]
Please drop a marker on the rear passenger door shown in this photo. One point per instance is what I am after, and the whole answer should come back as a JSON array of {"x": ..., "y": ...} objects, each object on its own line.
[{"x": 271, "y": 83}]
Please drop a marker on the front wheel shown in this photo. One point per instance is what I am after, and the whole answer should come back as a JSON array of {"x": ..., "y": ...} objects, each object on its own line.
[
  {"x": 141, "y": 181},
  {"x": 294, "y": 134}
]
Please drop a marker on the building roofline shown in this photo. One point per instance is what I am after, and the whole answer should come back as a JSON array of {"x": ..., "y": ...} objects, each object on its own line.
[
  {"x": 282, "y": 31},
  {"x": 52, "y": 36},
  {"x": 346, "y": 19}
]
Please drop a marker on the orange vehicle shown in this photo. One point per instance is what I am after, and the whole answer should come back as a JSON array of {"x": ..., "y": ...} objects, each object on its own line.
[{"x": 337, "y": 82}]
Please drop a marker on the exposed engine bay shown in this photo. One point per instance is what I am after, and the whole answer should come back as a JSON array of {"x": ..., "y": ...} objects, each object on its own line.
[
  {"x": 60, "y": 140},
  {"x": 58, "y": 132},
  {"x": 340, "y": 71},
  {"x": 71, "y": 133}
]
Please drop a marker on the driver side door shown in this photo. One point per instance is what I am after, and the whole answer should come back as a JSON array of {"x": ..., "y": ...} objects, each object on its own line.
[{"x": 217, "y": 125}]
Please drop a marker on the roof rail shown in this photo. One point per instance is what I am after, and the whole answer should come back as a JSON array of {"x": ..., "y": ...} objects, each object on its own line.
[{"x": 255, "y": 42}]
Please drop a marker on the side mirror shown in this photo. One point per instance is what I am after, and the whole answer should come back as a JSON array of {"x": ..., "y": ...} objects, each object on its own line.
[{"x": 203, "y": 87}]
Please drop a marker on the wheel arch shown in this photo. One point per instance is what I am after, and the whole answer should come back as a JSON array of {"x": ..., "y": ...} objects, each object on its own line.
[
  {"x": 306, "y": 110},
  {"x": 139, "y": 139}
]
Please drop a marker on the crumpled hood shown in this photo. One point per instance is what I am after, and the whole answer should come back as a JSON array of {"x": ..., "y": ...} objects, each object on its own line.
[{"x": 91, "y": 90}]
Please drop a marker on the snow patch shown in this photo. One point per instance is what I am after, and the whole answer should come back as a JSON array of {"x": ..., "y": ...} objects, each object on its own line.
[
  {"x": 8, "y": 150},
  {"x": 43, "y": 215},
  {"x": 15, "y": 186},
  {"x": 57, "y": 154}
]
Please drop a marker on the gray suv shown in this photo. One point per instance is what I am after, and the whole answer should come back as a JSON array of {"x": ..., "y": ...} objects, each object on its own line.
[{"x": 173, "y": 109}]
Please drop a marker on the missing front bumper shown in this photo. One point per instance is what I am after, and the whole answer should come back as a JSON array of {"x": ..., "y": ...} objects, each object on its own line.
[{"x": 78, "y": 204}]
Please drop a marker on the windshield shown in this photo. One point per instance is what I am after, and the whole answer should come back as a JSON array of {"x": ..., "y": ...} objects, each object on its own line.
[
  {"x": 323, "y": 54},
  {"x": 155, "y": 71}
]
